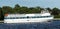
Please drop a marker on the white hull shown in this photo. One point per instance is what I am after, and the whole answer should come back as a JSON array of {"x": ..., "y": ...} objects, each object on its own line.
[{"x": 27, "y": 20}]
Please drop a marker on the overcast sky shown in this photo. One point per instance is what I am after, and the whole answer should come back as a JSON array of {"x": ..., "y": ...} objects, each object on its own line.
[{"x": 31, "y": 3}]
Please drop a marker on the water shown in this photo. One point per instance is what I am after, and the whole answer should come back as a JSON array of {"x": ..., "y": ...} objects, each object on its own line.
[{"x": 49, "y": 25}]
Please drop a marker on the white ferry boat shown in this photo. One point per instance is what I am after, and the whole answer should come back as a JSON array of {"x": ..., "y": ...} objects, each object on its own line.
[{"x": 27, "y": 18}]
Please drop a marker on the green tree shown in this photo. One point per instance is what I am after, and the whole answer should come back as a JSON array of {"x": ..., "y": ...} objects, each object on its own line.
[
  {"x": 49, "y": 9},
  {"x": 55, "y": 11},
  {"x": 16, "y": 9},
  {"x": 38, "y": 9},
  {"x": 1, "y": 14},
  {"x": 24, "y": 9},
  {"x": 6, "y": 9}
]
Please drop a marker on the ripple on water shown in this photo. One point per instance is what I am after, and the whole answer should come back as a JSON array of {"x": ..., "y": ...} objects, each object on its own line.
[{"x": 51, "y": 25}]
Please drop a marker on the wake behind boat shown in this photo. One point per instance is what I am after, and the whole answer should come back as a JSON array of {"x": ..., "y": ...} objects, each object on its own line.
[{"x": 27, "y": 18}]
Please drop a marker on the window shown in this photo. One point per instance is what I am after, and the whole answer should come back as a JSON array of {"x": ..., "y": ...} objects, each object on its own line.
[{"x": 26, "y": 17}]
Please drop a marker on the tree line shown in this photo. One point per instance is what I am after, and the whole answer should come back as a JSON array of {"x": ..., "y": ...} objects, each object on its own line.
[{"x": 23, "y": 9}]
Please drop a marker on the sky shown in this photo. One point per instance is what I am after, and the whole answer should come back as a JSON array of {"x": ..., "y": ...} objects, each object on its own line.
[{"x": 31, "y": 3}]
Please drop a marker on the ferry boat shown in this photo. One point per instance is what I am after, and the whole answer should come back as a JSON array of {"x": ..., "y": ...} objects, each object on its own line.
[{"x": 28, "y": 18}]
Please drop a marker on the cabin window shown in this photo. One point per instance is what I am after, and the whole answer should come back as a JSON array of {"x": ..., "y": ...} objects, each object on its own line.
[{"x": 26, "y": 17}]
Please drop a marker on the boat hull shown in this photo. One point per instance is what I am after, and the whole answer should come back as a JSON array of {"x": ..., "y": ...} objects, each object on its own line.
[{"x": 28, "y": 20}]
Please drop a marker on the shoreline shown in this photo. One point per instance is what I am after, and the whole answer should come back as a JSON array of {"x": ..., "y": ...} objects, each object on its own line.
[{"x": 56, "y": 19}]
